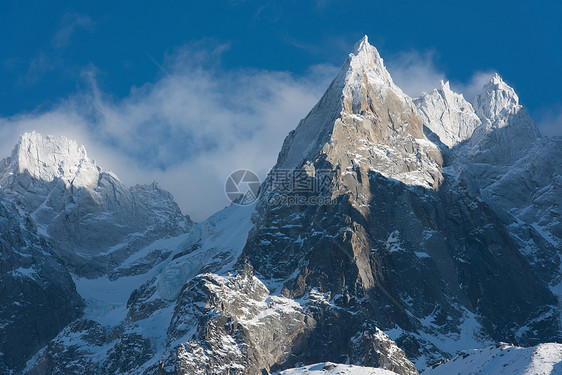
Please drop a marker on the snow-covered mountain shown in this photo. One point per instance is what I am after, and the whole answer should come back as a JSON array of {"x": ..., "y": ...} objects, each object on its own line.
[
  {"x": 411, "y": 230},
  {"x": 328, "y": 368},
  {"x": 501, "y": 359},
  {"x": 37, "y": 295},
  {"x": 64, "y": 218},
  {"x": 508, "y": 165},
  {"x": 133, "y": 323},
  {"x": 402, "y": 235},
  {"x": 95, "y": 220},
  {"x": 448, "y": 115},
  {"x": 504, "y": 359}
]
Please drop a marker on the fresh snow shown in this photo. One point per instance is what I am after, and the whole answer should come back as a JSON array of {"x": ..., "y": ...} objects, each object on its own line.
[
  {"x": 504, "y": 360},
  {"x": 213, "y": 246},
  {"x": 49, "y": 158},
  {"x": 496, "y": 102},
  {"x": 226, "y": 231},
  {"x": 448, "y": 115},
  {"x": 328, "y": 368},
  {"x": 469, "y": 336}
]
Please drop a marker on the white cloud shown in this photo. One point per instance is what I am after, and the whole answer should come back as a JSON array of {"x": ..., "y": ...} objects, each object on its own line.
[
  {"x": 69, "y": 24},
  {"x": 49, "y": 58},
  {"x": 474, "y": 85},
  {"x": 159, "y": 133},
  {"x": 415, "y": 72}
]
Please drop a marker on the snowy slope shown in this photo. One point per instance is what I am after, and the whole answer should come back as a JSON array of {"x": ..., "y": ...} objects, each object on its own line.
[
  {"x": 504, "y": 359},
  {"x": 139, "y": 309},
  {"x": 442, "y": 234},
  {"x": 507, "y": 164},
  {"x": 329, "y": 368},
  {"x": 92, "y": 218}
]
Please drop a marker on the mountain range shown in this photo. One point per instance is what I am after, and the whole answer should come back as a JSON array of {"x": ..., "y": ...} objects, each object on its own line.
[{"x": 426, "y": 233}]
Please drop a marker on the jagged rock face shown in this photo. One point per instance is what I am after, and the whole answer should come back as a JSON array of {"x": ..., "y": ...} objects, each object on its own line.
[
  {"x": 496, "y": 103},
  {"x": 448, "y": 115},
  {"x": 240, "y": 326},
  {"x": 507, "y": 129},
  {"x": 364, "y": 120},
  {"x": 62, "y": 215},
  {"x": 505, "y": 161},
  {"x": 509, "y": 166},
  {"x": 395, "y": 256},
  {"x": 450, "y": 259},
  {"x": 37, "y": 295},
  {"x": 531, "y": 187},
  {"x": 163, "y": 308},
  {"x": 513, "y": 169},
  {"x": 83, "y": 209},
  {"x": 402, "y": 238}
]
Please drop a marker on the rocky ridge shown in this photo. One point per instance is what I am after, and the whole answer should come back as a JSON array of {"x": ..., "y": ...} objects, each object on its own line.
[{"x": 421, "y": 249}]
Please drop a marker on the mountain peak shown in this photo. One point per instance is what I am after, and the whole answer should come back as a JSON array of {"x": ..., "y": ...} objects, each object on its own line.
[
  {"x": 508, "y": 130},
  {"x": 48, "y": 158},
  {"x": 496, "y": 100},
  {"x": 445, "y": 85},
  {"x": 366, "y": 60},
  {"x": 496, "y": 79},
  {"x": 362, "y": 44},
  {"x": 362, "y": 114},
  {"x": 497, "y": 84},
  {"x": 447, "y": 114},
  {"x": 445, "y": 91}
]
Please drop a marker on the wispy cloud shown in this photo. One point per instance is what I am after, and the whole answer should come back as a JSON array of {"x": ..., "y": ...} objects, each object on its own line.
[
  {"x": 158, "y": 133},
  {"x": 49, "y": 58},
  {"x": 38, "y": 66},
  {"x": 474, "y": 85},
  {"x": 70, "y": 23},
  {"x": 415, "y": 72}
]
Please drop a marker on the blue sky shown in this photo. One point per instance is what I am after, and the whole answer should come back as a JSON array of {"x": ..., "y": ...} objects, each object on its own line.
[{"x": 81, "y": 69}]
